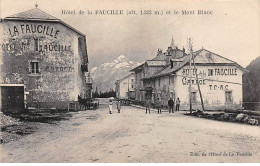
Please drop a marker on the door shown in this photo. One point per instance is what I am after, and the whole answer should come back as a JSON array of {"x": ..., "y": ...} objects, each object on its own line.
[{"x": 12, "y": 98}]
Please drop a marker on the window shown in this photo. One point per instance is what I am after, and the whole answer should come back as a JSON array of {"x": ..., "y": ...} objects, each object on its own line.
[
  {"x": 193, "y": 97},
  {"x": 210, "y": 72},
  {"x": 36, "y": 45},
  {"x": 172, "y": 79},
  {"x": 132, "y": 86},
  {"x": 34, "y": 67},
  {"x": 132, "y": 80},
  {"x": 228, "y": 95}
]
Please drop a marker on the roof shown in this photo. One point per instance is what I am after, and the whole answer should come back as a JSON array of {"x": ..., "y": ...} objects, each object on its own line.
[
  {"x": 205, "y": 56},
  {"x": 201, "y": 57},
  {"x": 149, "y": 63},
  {"x": 124, "y": 77},
  {"x": 137, "y": 68},
  {"x": 155, "y": 62},
  {"x": 36, "y": 14},
  {"x": 181, "y": 59}
]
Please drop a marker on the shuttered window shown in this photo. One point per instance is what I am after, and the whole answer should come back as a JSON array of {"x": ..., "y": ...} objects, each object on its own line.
[
  {"x": 228, "y": 95},
  {"x": 34, "y": 67}
]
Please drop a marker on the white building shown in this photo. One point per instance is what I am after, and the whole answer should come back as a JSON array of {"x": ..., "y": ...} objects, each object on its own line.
[
  {"x": 167, "y": 76},
  {"x": 125, "y": 88},
  {"x": 220, "y": 81}
]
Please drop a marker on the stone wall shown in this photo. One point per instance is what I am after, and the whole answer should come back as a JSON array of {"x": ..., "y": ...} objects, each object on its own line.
[{"x": 54, "y": 47}]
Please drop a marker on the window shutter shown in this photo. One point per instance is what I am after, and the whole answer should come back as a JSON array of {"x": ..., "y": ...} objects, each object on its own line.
[{"x": 30, "y": 67}]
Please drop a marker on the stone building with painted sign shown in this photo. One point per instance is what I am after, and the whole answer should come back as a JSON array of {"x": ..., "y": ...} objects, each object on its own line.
[
  {"x": 220, "y": 81},
  {"x": 43, "y": 62}
]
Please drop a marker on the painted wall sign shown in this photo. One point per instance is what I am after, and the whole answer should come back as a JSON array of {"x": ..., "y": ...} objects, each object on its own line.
[
  {"x": 225, "y": 71},
  {"x": 186, "y": 81},
  {"x": 193, "y": 72},
  {"x": 53, "y": 48},
  {"x": 222, "y": 72},
  {"x": 41, "y": 47},
  {"x": 212, "y": 72},
  {"x": 218, "y": 87},
  {"x": 33, "y": 28},
  {"x": 59, "y": 69},
  {"x": 11, "y": 47}
]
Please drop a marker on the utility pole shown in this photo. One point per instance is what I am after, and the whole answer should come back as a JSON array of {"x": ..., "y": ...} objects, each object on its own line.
[
  {"x": 128, "y": 88},
  {"x": 197, "y": 80},
  {"x": 190, "y": 49}
]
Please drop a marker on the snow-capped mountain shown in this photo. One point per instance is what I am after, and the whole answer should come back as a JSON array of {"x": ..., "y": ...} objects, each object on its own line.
[{"x": 105, "y": 76}]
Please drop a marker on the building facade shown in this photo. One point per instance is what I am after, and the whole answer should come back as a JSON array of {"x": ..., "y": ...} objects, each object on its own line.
[
  {"x": 152, "y": 67},
  {"x": 43, "y": 61},
  {"x": 219, "y": 79},
  {"x": 125, "y": 88}
]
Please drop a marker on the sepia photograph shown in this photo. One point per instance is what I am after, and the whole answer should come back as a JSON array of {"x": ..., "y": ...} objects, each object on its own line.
[{"x": 129, "y": 81}]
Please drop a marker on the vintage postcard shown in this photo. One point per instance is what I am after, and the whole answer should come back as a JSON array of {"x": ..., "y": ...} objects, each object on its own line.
[{"x": 129, "y": 81}]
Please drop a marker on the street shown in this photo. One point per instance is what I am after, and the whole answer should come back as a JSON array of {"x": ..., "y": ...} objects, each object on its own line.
[{"x": 133, "y": 136}]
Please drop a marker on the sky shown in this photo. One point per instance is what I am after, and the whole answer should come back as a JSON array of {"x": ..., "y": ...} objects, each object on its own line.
[{"x": 232, "y": 31}]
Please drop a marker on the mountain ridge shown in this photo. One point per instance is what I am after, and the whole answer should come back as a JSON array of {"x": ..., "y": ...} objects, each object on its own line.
[{"x": 106, "y": 75}]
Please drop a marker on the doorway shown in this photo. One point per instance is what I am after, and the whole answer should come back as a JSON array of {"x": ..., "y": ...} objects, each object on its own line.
[{"x": 12, "y": 98}]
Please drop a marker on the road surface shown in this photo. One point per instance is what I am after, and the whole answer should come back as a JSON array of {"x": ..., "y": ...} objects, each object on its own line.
[{"x": 133, "y": 136}]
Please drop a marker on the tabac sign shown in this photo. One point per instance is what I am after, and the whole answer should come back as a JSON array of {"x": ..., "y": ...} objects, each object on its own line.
[{"x": 32, "y": 29}]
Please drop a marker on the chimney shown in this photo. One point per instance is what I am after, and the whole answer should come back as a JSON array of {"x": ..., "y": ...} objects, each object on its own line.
[
  {"x": 159, "y": 52},
  {"x": 183, "y": 50}
]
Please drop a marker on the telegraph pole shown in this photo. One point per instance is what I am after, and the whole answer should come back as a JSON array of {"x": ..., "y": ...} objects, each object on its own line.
[
  {"x": 190, "y": 49},
  {"x": 197, "y": 80},
  {"x": 128, "y": 88}
]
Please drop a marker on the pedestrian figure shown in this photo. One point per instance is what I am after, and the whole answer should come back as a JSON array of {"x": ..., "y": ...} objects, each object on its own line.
[
  {"x": 178, "y": 104},
  {"x": 147, "y": 105},
  {"x": 171, "y": 105},
  {"x": 88, "y": 104},
  {"x": 159, "y": 106},
  {"x": 110, "y": 104},
  {"x": 118, "y": 105}
]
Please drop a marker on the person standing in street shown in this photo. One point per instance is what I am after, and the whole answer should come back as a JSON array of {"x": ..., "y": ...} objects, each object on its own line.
[
  {"x": 147, "y": 105},
  {"x": 118, "y": 105},
  {"x": 159, "y": 106},
  {"x": 171, "y": 105},
  {"x": 110, "y": 105},
  {"x": 178, "y": 104}
]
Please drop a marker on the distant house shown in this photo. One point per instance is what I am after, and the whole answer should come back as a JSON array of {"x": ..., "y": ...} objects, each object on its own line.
[
  {"x": 220, "y": 80},
  {"x": 44, "y": 62},
  {"x": 125, "y": 88}
]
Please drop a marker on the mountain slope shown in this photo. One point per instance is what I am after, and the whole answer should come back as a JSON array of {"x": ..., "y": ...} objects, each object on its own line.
[
  {"x": 251, "y": 82},
  {"x": 105, "y": 76}
]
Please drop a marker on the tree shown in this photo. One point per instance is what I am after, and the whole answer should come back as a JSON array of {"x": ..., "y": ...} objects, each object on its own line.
[{"x": 251, "y": 85}]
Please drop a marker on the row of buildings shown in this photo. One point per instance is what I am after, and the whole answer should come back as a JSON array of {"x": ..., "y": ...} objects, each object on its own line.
[
  {"x": 167, "y": 75},
  {"x": 43, "y": 62}
]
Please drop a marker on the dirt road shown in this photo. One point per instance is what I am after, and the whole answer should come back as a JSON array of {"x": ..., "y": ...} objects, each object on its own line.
[{"x": 133, "y": 136}]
